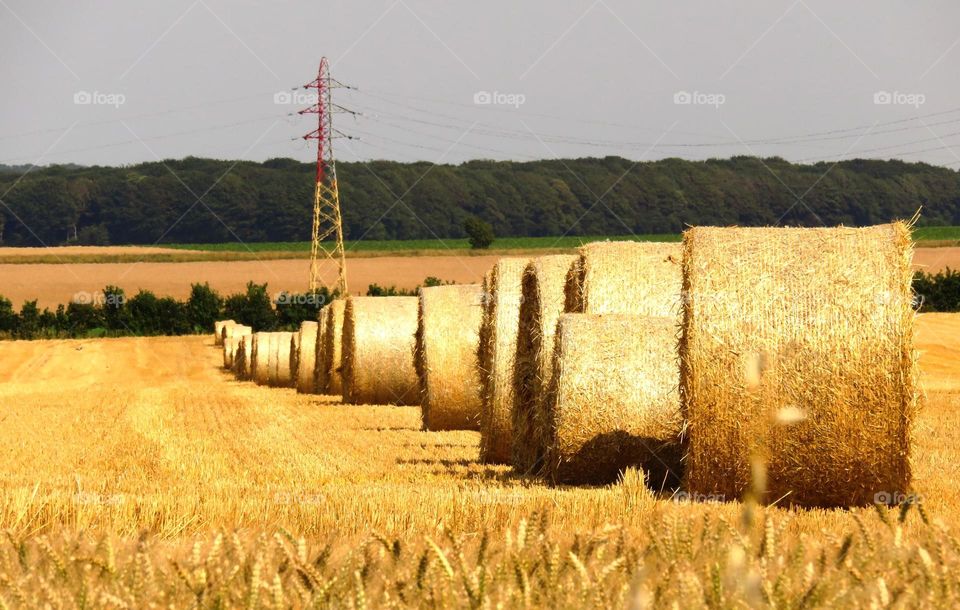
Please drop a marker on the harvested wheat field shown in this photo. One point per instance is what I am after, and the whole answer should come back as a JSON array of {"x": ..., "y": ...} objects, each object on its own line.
[{"x": 142, "y": 459}]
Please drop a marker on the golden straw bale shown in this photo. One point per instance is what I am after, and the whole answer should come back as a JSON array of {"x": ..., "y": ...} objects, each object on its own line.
[
  {"x": 229, "y": 351},
  {"x": 448, "y": 323},
  {"x": 282, "y": 375},
  {"x": 498, "y": 351},
  {"x": 797, "y": 360},
  {"x": 294, "y": 363},
  {"x": 612, "y": 401},
  {"x": 306, "y": 368},
  {"x": 641, "y": 278},
  {"x": 258, "y": 361},
  {"x": 542, "y": 302},
  {"x": 333, "y": 347},
  {"x": 378, "y": 344},
  {"x": 218, "y": 331},
  {"x": 269, "y": 344},
  {"x": 243, "y": 358},
  {"x": 320, "y": 372}
]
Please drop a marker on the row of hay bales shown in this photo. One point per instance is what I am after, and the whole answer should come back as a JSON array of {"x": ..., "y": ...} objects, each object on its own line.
[{"x": 697, "y": 362}]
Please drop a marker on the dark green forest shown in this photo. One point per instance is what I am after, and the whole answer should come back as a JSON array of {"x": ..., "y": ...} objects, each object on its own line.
[{"x": 248, "y": 201}]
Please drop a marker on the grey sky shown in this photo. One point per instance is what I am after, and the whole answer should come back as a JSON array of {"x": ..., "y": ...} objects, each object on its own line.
[{"x": 199, "y": 77}]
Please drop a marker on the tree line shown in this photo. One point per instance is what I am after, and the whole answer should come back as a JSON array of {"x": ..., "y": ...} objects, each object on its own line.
[
  {"x": 195, "y": 200},
  {"x": 114, "y": 314}
]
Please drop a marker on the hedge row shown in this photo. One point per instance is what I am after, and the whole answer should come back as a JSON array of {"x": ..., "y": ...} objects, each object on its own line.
[{"x": 116, "y": 315}]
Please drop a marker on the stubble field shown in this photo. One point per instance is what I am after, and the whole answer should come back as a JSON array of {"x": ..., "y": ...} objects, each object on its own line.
[{"x": 134, "y": 471}]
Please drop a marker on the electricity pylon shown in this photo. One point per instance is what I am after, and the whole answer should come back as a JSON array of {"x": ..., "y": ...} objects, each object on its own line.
[{"x": 327, "y": 222}]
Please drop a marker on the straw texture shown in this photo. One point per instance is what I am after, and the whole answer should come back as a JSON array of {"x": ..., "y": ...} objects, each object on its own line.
[
  {"x": 306, "y": 360},
  {"x": 333, "y": 347},
  {"x": 626, "y": 277},
  {"x": 613, "y": 400},
  {"x": 261, "y": 357},
  {"x": 242, "y": 359},
  {"x": 218, "y": 331},
  {"x": 229, "y": 351},
  {"x": 796, "y": 354},
  {"x": 541, "y": 304},
  {"x": 294, "y": 355},
  {"x": 320, "y": 372},
  {"x": 498, "y": 351},
  {"x": 282, "y": 375},
  {"x": 448, "y": 323},
  {"x": 378, "y": 345}
]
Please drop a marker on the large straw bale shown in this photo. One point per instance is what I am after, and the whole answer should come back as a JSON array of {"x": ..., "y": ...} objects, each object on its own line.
[
  {"x": 613, "y": 400},
  {"x": 497, "y": 353},
  {"x": 640, "y": 278},
  {"x": 333, "y": 348},
  {"x": 280, "y": 360},
  {"x": 258, "y": 358},
  {"x": 271, "y": 356},
  {"x": 448, "y": 323},
  {"x": 307, "y": 348},
  {"x": 320, "y": 373},
  {"x": 378, "y": 345},
  {"x": 229, "y": 351},
  {"x": 218, "y": 331},
  {"x": 294, "y": 363},
  {"x": 264, "y": 348},
  {"x": 243, "y": 359},
  {"x": 542, "y": 302},
  {"x": 797, "y": 360}
]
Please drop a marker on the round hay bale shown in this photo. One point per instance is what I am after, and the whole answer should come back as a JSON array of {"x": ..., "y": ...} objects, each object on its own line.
[
  {"x": 306, "y": 365},
  {"x": 613, "y": 400},
  {"x": 626, "y": 277},
  {"x": 498, "y": 351},
  {"x": 280, "y": 360},
  {"x": 378, "y": 343},
  {"x": 448, "y": 323},
  {"x": 229, "y": 351},
  {"x": 243, "y": 358},
  {"x": 796, "y": 354},
  {"x": 320, "y": 373},
  {"x": 333, "y": 347},
  {"x": 294, "y": 363},
  {"x": 541, "y": 303},
  {"x": 218, "y": 331},
  {"x": 264, "y": 353}
]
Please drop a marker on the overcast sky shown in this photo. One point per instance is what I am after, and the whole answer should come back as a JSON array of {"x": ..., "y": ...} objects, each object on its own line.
[{"x": 128, "y": 81}]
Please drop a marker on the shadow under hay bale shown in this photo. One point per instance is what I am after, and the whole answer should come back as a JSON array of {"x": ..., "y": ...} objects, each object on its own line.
[
  {"x": 496, "y": 356},
  {"x": 542, "y": 303},
  {"x": 613, "y": 400},
  {"x": 378, "y": 346},
  {"x": 445, "y": 357},
  {"x": 796, "y": 352},
  {"x": 305, "y": 358}
]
